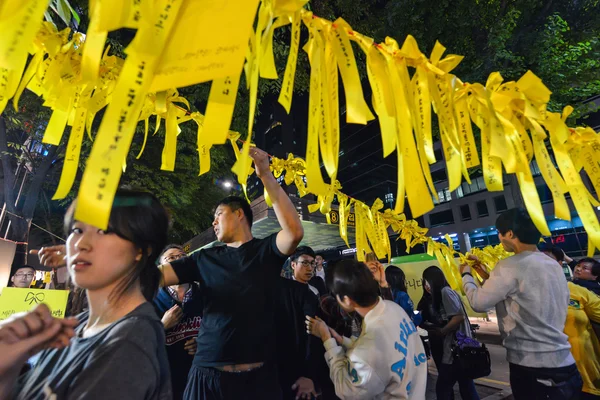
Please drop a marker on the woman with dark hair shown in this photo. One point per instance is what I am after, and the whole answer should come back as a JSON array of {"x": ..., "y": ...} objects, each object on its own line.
[
  {"x": 387, "y": 360},
  {"x": 432, "y": 320},
  {"x": 118, "y": 347},
  {"x": 397, "y": 280},
  {"x": 448, "y": 304}
]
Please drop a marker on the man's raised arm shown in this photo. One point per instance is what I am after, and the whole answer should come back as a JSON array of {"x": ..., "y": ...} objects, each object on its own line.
[{"x": 292, "y": 231}]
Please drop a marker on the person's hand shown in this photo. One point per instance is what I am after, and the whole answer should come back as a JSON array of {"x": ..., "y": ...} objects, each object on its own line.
[
  {"x": 261, "y": 162},
  {"x": 172, "y": 317},
  {"x": 305, "y": 388},
  {"x": 378, "y": 272},
  {"x": 338, "y": 338},
  {"x": 52, "y": 256},
  {"x": 464, "y": 267},
  {"x": 566, "y": 257},
  {"x": 317, "y": 327},
  {"x": 190, "y": 346},
  {"x": 479, "y": 267},
  {"x": 21, "y": 336}
]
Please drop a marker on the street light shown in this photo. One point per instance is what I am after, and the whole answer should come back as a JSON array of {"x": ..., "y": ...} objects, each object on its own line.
[{"x": 227, "y": 185}]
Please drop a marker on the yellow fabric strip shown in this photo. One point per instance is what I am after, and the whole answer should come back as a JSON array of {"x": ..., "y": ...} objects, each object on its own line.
[
  {"x": 357, "y": 111},
  {"x": 71, "y": 162},
  {"x": 314, "y": 179},
  {"x": 194, "y": 55},
  {"x": 219, "y": 110},
  {"x": 467, "y": 140},
  {"x": 19, "y": 24},
  {"x": 56, "y": 127},
  {"x": 383, "y": 99},
  {"x": 94, "y": 44},
  {"x": 440, "y": 87},
  {"x": 27, "y": 77},
  {"x": 146, "y": 123},
  {"x": 492, "y": 168},
  {"x": 532, "y": 202},
  {"x": 579, "y": 194},
  {"x": 103, "y": 170},
  {"x": 551, "y": 176},
  {"x": 422, "y": 123},
  {"x": 170, "y": 148},
  {"x": 409, "y": 166},
  {"x": 287, "y": 87}
]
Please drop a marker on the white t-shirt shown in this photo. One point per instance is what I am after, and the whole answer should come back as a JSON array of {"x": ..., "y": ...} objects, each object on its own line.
[{"x": 387, "y": 361}]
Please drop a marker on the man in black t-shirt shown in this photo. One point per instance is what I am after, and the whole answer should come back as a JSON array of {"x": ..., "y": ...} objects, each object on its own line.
[{"x": 236, "y": 285}]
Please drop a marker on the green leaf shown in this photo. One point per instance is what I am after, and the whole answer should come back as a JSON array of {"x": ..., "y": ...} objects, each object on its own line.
[
  {"x": 48, "y": 16},
  {"x": 73, "y": 12},
  {"x": 62, "y": 8}
]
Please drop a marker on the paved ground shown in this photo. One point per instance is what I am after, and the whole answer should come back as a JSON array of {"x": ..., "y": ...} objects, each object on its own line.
[{"x": 494, "y": 387}]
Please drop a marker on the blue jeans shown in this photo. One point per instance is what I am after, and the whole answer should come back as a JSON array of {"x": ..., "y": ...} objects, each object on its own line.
[
  {"x": 545, "y": 383},
  {"x": 448, "y": 375}
]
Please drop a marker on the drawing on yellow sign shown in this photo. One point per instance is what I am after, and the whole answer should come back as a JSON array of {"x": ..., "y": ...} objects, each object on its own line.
[{"x": 16, "y": 300}]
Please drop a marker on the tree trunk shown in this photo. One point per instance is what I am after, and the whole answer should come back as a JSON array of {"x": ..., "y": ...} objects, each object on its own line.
[{"x": 20, "y": 221}]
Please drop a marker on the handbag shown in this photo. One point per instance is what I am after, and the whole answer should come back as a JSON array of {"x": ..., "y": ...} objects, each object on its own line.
[{"x": 471, "y": 356}]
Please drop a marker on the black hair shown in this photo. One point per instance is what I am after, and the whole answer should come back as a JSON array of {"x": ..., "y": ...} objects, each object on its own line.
[
  {"x": 437, "y": 281},
  {"x": 353, "y": 279},
  {"x": 236, "y": 203},
  {"x": 519, "y": 222},
  {"x": 595, "y": 266},
  {"x": 21, "y": 267},
  {"x": 170, "y": 247},
  {"x": 556, "y": 252},
  {"x": 395, "y": 278},
  {"x": 139, "y": 218},
  {"x": 302, "y": 251}
]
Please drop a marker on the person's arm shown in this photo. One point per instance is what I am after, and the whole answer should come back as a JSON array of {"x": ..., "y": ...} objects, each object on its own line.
[
  {"x": 169, "y": 277},
  {"x": 292, "y": 231},
  {"x": 183, "y": 270},
  {"x": 494, "y": 290},
  {"x": 352, "y": 376},
  {"x": 452, "y": 325},
  {"x": 454, "y": 309}
]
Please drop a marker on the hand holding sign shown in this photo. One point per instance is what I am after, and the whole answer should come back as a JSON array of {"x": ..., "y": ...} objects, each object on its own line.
[{"x": 52, "y": 256}]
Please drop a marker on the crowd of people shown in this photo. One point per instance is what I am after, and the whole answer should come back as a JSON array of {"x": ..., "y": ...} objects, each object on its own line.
[{"x": 149, "y": 321}]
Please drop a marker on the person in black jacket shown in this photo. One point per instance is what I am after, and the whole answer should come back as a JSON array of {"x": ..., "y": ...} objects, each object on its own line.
[
  {"x": 587, "y": 274},
  {"x": 180, "y": 310},
  {"x": 295, "y": 357},
  {"x": 303, "y": 266}
]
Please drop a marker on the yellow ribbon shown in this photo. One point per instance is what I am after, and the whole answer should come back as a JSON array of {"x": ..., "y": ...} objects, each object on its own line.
[{"x": 102, "y": 174}]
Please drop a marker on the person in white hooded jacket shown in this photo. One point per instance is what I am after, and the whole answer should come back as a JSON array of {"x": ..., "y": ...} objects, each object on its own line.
[{"x": 387, "y": 360}]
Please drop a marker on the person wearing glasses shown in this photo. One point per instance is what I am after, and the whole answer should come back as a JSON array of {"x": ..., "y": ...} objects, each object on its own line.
[
  {"x": 180, "y": 310},
  {"x": 303, "y": 265},
  {"x": 23, "y": 277}
]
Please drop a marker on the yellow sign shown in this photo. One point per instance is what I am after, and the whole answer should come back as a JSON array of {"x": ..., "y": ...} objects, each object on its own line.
[
  {"x": 16, "y": 300},
  {"x": 413, "y": 272},
  {"x": 334, "y": 217}
]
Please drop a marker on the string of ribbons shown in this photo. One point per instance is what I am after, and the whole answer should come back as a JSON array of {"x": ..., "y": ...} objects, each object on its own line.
[{"x": 182, "y": 42}]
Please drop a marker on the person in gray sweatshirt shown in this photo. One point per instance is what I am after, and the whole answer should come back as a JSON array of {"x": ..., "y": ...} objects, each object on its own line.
[{"x": 531, "y": 297}]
